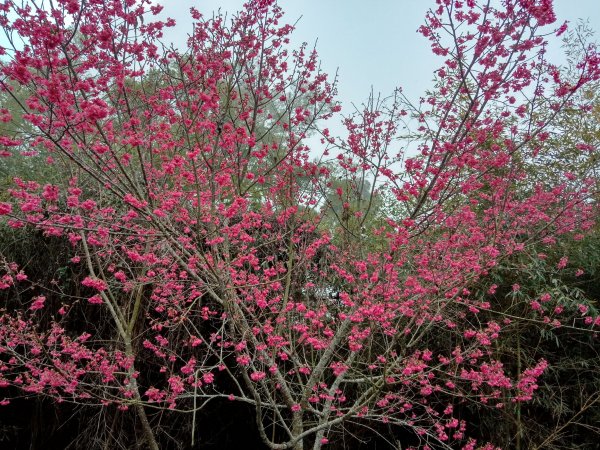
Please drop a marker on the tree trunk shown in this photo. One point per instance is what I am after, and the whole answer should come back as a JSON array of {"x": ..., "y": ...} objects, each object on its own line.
[
  {"x": 139, "y": 408},
  {"x": 297, "y": 429}
]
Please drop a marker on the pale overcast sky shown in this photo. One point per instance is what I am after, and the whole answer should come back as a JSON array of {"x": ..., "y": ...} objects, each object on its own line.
[{"x": 373, "y": 43}]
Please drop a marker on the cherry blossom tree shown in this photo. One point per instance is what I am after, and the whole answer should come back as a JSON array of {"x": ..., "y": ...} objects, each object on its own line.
[{"x": 202, "y": 223}]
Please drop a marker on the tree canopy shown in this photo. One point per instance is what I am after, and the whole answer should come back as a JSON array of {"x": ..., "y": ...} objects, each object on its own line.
[{"x": 204, "y": 255}]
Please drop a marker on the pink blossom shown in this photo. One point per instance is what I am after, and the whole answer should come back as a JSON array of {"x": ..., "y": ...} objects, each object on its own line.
[
  {"x": 189, "y": 367},
  {"x": 38, "y": 303},
  {"x": 257, "y": 376},
  {"x": 94, "y": 283},
  {"x": 95, "y": 300},
  {"x": 562, "y": 263}
]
